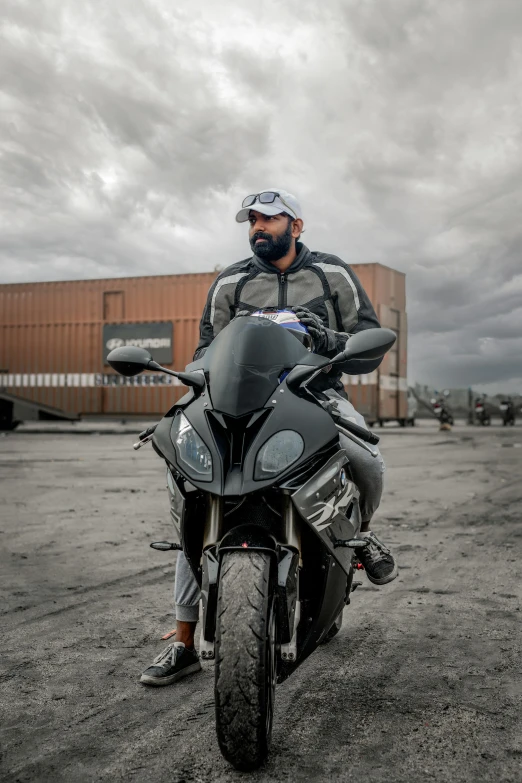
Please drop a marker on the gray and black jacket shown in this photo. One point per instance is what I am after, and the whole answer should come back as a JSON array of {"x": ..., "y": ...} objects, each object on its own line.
[{"x": 321, "y": 282}]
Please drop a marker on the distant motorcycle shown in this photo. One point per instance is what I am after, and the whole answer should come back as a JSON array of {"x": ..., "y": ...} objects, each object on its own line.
[
  {"x": 507, "y": 410},
  {"x": 481, "y": 413},
  {"x": 441, "y": 409}
]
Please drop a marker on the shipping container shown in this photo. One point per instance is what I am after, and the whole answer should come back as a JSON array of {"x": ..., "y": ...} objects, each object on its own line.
[
  {"x": 383, "y": 395},
  {"x": 54, "y": 338}
]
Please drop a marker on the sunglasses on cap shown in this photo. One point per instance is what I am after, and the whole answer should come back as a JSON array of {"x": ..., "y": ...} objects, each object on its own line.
[{"x": 267, "y": 197}]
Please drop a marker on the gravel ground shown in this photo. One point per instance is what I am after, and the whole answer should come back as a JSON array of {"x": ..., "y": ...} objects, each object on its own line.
[{"x": 422, "y": 683}]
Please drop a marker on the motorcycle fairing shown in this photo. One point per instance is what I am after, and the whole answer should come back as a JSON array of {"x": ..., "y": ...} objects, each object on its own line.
[
  {"x": 329, "y": 503},
  {"x": 177, "y": 502},
  {"x": 246, "y": 361},
  {"x": 288, "y": 412}
]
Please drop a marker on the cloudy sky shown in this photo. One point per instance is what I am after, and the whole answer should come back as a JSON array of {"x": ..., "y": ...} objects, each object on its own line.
[{"x": 131, "y": 130}]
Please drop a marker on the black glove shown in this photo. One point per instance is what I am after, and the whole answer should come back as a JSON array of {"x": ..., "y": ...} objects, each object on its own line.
[
  {"x": 324, "y": 339},
  {"x": 241, "y": 313}
]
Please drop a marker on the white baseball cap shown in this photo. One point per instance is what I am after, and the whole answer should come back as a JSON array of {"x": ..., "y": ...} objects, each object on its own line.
[{"x": 271, "y": 201}]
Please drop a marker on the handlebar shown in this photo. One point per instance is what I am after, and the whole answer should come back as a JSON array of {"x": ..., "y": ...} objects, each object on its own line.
[{"x": 361, "y": 432}]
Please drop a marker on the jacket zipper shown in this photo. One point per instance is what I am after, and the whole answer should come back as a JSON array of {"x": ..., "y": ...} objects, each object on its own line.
[{"x": 282, "y": 291}]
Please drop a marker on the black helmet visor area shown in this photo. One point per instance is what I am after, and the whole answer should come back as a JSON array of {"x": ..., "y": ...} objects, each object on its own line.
[{"x": 245, "y": 362}]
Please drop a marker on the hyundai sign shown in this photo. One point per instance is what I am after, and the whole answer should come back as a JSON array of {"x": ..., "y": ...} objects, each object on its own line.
[{"x": 155, "y": 337}]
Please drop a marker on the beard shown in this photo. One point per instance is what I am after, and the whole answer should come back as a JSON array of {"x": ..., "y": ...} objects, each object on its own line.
[{"x": 275, "y": 247}]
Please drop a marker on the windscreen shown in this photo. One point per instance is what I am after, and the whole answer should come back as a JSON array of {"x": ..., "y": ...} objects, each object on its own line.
[{"x": 245, "y": 362}]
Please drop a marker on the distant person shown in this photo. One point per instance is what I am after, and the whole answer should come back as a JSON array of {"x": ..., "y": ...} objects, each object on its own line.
[{"x": 328, "y": 298}]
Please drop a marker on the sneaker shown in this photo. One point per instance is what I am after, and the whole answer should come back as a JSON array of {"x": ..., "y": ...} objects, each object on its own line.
[
  {"x": 377, "y": 560},
  {"x": 174, "y": 663}
]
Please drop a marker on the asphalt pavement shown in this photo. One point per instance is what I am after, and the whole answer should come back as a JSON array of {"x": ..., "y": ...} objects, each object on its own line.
[{"x": 423, "y": 683}]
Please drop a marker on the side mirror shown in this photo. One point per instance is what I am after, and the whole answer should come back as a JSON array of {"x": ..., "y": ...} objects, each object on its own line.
[
  {"x": 129, "y": 360},
  {"x": 370, "y": 344}
]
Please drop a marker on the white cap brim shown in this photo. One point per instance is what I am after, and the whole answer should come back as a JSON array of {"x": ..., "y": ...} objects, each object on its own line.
[{"x": 265, "y": 209}]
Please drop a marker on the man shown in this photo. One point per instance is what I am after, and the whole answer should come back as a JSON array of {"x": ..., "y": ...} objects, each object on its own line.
[{"x": 328, "y": 298}]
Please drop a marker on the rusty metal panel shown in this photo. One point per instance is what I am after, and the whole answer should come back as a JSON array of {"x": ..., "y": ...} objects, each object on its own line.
[
  {"x": 364, "y": 399},
  {"x": 141, "y": 299}
]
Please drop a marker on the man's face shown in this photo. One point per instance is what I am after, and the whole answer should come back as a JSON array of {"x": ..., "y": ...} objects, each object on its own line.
[{"x": 271, "y": 236}]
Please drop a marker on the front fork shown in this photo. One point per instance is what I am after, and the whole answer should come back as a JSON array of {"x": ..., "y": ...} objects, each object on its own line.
[
  {"x": 212, "y": 534},
  {"x": 286, "y": 587}
]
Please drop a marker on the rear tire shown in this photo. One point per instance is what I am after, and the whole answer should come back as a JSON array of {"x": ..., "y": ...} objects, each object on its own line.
[{"x": 245, "y": 672}]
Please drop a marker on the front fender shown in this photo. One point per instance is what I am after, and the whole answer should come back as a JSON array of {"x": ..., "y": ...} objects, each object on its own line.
[{"x": 248, "y": 536}]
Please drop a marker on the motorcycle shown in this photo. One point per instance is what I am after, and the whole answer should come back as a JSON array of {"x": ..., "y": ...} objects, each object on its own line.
[
  {"x": 442, "y": 410},
  {"x": 266, "y": 509},
  {"x": 481, "y": 413},
  {"x": 507, "y": 410}
]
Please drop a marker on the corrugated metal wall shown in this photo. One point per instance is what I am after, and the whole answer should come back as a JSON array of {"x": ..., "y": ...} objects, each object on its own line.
[
  {"x": 51, "y": 340},
  {"x": 383, "y": 394},
  {"x": 51, "y": 336}
]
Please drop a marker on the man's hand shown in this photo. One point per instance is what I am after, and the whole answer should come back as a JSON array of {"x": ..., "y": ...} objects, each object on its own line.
[{"x": 315, "y": 326}]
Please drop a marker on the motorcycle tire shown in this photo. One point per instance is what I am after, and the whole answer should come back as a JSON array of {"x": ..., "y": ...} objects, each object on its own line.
[{"x": 245, "y": 671}]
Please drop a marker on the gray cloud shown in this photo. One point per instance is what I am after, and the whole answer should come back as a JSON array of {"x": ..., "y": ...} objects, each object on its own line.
[{"x": 129, "y": 134}]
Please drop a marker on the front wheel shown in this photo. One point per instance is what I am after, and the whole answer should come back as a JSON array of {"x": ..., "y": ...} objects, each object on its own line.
[{"x": 245, "y": 672}]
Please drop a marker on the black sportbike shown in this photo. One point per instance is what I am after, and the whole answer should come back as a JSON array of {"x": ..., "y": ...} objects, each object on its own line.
[{"x": 266, "y": 509}]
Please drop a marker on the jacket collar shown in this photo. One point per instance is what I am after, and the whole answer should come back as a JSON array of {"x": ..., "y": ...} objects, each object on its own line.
[{"x": 303, "y": 255}]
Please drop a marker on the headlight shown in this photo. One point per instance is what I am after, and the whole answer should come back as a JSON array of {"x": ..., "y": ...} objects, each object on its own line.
[
  {"x": 277, "y": 454},
  {"x": 192, "y": 453}
]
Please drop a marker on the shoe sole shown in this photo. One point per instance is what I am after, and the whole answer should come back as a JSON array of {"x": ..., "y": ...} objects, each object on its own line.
[
  {"x": 385, "y": 579},
  {"x": 159, "y": 681}
]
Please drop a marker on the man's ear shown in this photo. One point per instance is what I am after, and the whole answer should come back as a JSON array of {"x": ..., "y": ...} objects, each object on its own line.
[{"x": 297, "y": 228}]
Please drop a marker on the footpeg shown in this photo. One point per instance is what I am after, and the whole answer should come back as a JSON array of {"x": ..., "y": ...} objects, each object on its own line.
[
  {"x": 141, "y": 443},
  {"x": 350, "y": 543},
  {"x": 164, "y": 546}
]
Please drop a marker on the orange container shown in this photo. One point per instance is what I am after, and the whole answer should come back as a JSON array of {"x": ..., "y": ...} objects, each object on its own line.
[
  {"x": 52, "y": 336},
  {"x": 383, "y": 395}
]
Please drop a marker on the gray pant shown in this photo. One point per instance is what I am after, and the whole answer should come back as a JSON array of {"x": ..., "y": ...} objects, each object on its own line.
[{"x": 367, "y": 473}]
